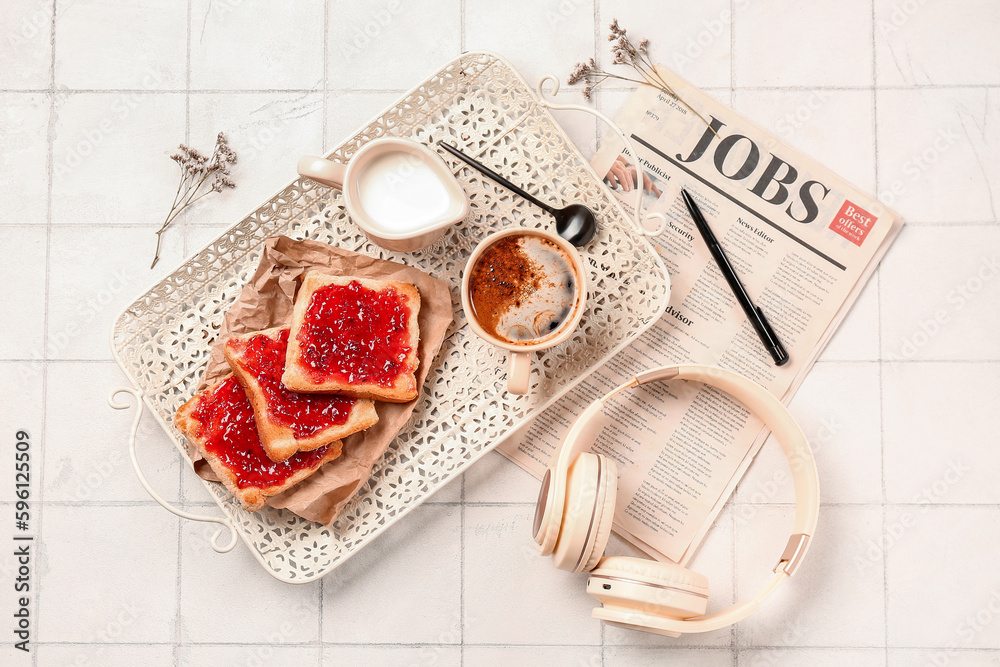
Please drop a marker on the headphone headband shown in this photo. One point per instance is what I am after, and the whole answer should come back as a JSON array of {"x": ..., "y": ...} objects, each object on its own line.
[{"x": 789, "y": 435}]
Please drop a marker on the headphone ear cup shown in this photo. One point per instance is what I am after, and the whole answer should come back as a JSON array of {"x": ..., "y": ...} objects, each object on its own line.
[
  {"x": 606, "y": 499},
  {"x": 633, "y": 590},
  {"x": 582, "y": 509}
]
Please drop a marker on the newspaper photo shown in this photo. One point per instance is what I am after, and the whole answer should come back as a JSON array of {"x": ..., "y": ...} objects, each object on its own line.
[{"x": 803, "y": 243}]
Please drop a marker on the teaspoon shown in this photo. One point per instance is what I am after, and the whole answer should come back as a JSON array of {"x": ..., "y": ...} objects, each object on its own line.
[{"x": 576, "y": 223}]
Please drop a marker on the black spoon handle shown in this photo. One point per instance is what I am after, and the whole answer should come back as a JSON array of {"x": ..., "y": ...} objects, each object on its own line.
[{"x": 495, "y": 176}]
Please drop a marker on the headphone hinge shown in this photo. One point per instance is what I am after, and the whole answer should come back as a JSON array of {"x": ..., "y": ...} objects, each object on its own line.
[{"x": 793, "y": 553}]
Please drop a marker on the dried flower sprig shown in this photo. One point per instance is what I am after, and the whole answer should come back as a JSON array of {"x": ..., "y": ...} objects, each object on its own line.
[
  {"x": 200, "y": 176},
  {"x": 625, "y": 53}
]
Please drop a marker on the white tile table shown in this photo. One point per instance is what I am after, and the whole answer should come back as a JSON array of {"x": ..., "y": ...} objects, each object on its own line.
[{"x": 901, "y": 97}]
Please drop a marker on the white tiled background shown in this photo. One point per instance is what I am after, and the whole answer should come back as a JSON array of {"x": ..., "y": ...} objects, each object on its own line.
[{"x": 900, "y": 96}]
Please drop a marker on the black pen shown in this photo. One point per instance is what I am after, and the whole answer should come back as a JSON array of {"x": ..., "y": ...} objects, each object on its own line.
[{"x": 754, "y": 314}]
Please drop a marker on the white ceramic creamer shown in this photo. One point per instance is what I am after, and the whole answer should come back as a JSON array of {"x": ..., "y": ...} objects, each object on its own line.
[{"x": 399, "y": 192}]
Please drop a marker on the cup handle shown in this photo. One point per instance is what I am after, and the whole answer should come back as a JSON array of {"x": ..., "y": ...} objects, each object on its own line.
[
  {"x": 519, "y": 372},
  {"x": 322, "y": 171}
]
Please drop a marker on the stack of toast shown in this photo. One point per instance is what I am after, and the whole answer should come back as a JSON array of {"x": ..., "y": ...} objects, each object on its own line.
[{"x": 296, "y": 391}]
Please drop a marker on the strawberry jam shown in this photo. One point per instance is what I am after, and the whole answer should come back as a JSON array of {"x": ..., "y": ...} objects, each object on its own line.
[
  {"x": 306, "y": 414},
  {"x": 355, "y": 335},
  {"x": 226, "y": 424}
]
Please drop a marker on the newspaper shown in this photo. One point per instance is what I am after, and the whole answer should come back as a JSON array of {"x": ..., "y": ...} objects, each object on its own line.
[{"x": 802, "y": 241}]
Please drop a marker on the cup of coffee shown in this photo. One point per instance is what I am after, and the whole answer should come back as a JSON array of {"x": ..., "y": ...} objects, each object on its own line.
[{"x": 524, "y": 290}]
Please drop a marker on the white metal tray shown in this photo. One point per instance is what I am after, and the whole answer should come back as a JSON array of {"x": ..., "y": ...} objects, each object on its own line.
[{"x": 480, "y": 103}]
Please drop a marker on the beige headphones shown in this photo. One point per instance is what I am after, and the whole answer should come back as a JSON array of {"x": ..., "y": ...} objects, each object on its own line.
[{"x": 576, "y": 506}]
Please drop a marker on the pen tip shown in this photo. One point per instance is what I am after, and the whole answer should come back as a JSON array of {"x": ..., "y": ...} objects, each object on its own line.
[{"x": 688, "y": 201}]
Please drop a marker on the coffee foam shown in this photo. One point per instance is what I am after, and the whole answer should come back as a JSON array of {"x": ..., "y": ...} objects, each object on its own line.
[{"x": 523, "y": 289}]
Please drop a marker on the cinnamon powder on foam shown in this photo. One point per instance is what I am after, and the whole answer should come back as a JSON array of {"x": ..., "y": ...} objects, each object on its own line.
[{"x": 502, "y": 276}]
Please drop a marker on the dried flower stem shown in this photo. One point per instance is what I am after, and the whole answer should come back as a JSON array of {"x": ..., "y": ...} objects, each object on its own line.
[
  {"x": 196, "y": 170},
  {"x": 634, "y": 55}
]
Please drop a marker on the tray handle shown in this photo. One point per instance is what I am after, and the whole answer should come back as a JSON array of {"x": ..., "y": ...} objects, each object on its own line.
[
  {"x": 662, "y": 227},
  {"x": 219, "y": 548}
]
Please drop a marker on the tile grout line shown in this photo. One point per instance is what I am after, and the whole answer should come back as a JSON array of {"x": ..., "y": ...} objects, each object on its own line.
[
  {"x": 178, "y": 627},
  {"x": 777, "y": 648},
  {"x": 461, "y": 26},
  {"x": 319, "y": 623},
  {"x": 50, "y": 169},
  {"x": 326, "y": 71},
  {"x": 106, "y": 360},
  {"x": 325, "y": 149},
  {"x": 187, "y": 117},
  {"x": 878, "y": 338},
  {"x": 193, "y": 91},
  {"x": 226, "y": 224},
  {"x": 599, "y": 102},
  {"x": 881, "y": 419},
  {"x": 526, "y": 504},
  {"x": 461, "y": 575},
  {"x": 732, "y": 51},
  {"x": 462, "y": 497},
  {"x": 640, "y": 647},
  {"x": 597, "y": 144},
  {"x": 619, "y": 89},
  {"x": 734, "y": 630}
]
